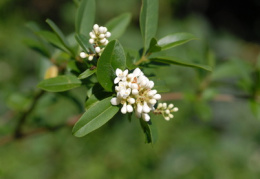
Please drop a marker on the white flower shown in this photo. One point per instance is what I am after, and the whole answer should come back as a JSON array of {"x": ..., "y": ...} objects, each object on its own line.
[
  {"x": 165, "y": 110},
  {"x": 134, "y": 91},
  {"x": 120, "y": 75}
]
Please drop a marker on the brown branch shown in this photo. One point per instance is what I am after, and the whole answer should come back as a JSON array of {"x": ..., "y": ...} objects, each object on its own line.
[
  {"x": 72, "y": 120},
  {"x": 23, "y": 118}
]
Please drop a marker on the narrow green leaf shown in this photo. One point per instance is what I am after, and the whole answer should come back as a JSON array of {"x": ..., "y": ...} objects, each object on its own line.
[
  {"x": 60, "y": 83},
  {"x": 85, "y": 16},
  {"x": 130, "y": 61},
  {"x": 148, "y": 21},
  {"x": 177, "y": 61},
  {"x": 60, "y": 35},
  {"x": 84, "y": 43},
  {"x": 38, "y": 47},
  {"x": 53, "y": 39},
  {"x": 112, "y": 58},
  {"x": 174, "y": 40},
  {"x": 154, "y": 46},
  {"x": 87, "y": 73},
  {"x": 146, "y": 126},
  {"x": 95, "y": 117},
  {"x": 118, "y": 25}
]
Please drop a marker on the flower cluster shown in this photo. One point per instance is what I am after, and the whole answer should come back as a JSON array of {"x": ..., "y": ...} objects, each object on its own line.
[
  {"x": 165, "y": 110},
  {"x": 135, "y": 93},
  {"x": 98, "y": 38}
]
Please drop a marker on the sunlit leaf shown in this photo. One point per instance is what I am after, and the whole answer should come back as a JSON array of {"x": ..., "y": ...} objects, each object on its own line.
[
  {"x": 112, "y": 58},
  {"x": 177, "y": 61},
  {"x": 85, "y": 16},
  {"x": 148, "y": 21},
  {"x": 60, "y": 35},
  {"x": 174, "y": 40},
  {"x": 95, "y": 117},
  {"x": 87, "y": 73},
  {"x": 60, "y": 83},
  {"x": 118, "y": 25}
]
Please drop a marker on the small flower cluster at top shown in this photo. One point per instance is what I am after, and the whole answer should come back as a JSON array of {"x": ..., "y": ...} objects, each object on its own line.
[
  {"x": 98, "y": 38},
  {"x": 165, "y": 110},
  {"x": 135, "y": 93}
]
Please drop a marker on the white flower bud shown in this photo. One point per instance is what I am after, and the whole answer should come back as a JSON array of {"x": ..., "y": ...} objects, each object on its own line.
[
  {"x": 157, "y": 96},
  {"x": 164, "y": 105},
  {"x": 102, "y": 36},
  {"x": 101, "y": 29},
  {"x": 83, "y": 55},
  {"x": 152, "y": 101},
  {"x": 129, "y": 108},
  {"x": 97, "y": 49},
  {"x": 104, "y": 29},
  {"x": 138, "y": 114},
  {"x": 135, "y": 91},
  {"x": 131, "y": 100},
  {"x": 115, "y": 101},
  {"x": 175, "y": 109},
  {"x": 151, "y": 92},
  {"x": 134, "y": 86},
  {"x": 146, "y": 108},
  {"x": 145, "y": 116},
  {"x": 167, "y": 111},
  {"x": 139, "y": 108},
  {"x": 123, "y": 109},
  {"x": 96, "y": 27},
  {"x": 91, "y": 41},
  {"x": 108, "y": 34},
  {"x": 150, "y": 84},
  {"x": 167, "y": 118},
  {"x": 171, "y": 116},
  {"x": 103, "y": 40},
  {"x": 92, "y": 35},
  {"x": 106, "y": 42},
  {"x": 90, "y": 58},
  {"x": 170, "y": 106},
  {"x": 159, "y": 105}
]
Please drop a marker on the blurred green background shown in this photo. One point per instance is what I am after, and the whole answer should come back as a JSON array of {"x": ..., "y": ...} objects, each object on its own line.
[{"x": 215, "y": 134}]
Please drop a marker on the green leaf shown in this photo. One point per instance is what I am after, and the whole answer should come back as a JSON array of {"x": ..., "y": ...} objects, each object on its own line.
[
  {"x": 87, "y": 73},
  {"x": 154, "y": 46},
  {"x": 38, "y": 47},
  {"x": 177, "y": 61},
  {"x": 118, "y": 25},
  {"x": 112, "y": 58},
  {"x": 60, "y": 83},
  {"x": 174, "y": 40},
  {"x": 130, "y": 61},
  {"x": 147, "y": 129},
  {"x": 85, "y": 16},
  {"x": 95, "y": 117},
  {"x": 60, "y": 35},
  {"x": 84, "y": 43},
  {"x": 148, "y": 21},
  {"x": 53, "y": 39}
]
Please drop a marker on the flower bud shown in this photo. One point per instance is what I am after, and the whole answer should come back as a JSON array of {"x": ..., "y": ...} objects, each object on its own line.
[
  {"x": 83, "y": 55},
  {"x": 157, "y": 96},
  {"x": 170, "y": 106},
  {"x": 91, "y": 41},
  {"x": 129, "y": 108},
  {"x": 131, "y": 100},
  {"x": 102, "y": 36},
  {"x": 97, "y": 49},
  {"x": 108, "y": 34},
  {"x": 114, "y": 101},
  {"x": 90, "y": 58},
  {"x": 123, "y": 109},
  {"x": 145, "y": 116},
  {"x": 96, "y": 27}
]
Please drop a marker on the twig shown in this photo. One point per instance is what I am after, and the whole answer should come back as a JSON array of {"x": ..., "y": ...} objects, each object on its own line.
[{"x": 23, "y": 118}]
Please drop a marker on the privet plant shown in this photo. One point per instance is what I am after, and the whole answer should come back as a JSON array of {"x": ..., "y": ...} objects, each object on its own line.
[{"x": 115, "y": 78}]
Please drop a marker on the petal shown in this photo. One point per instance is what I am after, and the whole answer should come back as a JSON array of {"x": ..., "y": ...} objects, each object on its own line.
[
  {"x": 116, "y": 80},
  {"x": 118, "y": 71},
  {"x": 125, "y": 72}
]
